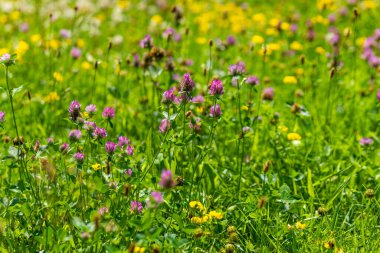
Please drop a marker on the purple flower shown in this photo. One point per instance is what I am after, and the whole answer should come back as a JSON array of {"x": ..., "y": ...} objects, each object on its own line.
[
  {"x": 128, "y": 172},
  {"x": 89, "y": 125},
  {"x": 108, "y": 112},
  {"x": 216, "y": 88},
  {"x": 2, "y": 116},
  {"x": 50, "y": 140},
  {"x": 198, "y": 99},
  {"x": 99, "y": 133},
  {"x": 75, "y": 52},
  {"x": 74, "y": 110},
  {"x": 5, "y": 57},
  {"x": 146, "y": 42},
  {"x": 79, "y": 157},
  {"x": 164, "y": 126},
  {"x": 268, "y": 93},
  {"x": 157, "y": 197},
  {"x": 103, "y": 210},
  {"x": 136, "y": 207},
  {"x": 66, "y": 34},
  {"x": 237, "y": 69},
  {"x": 168, "y": 97},
  {"x": 166, "y": 179},
  {"x": 122, "y": 141},
  {"x": 91, "y": 109},
  {"x": 110, "y": 147},
  {"x": 293, "y": 28},
  {"x": 195, "y": 125},
  {"x": 187, "y": 84},
  {"x": 366, "y": 141},
  {"x": 215, "y": 111},
  {"x": 378, "y": 95},
  {"x": 64, "y": 148},
  {"x": 129, "y": 150},
  {"x": 24, "y": 27},
  {"x": 230, "y": 41},
  {"x": 252, "y": 80},
  {"x": 75, "y": 135}
]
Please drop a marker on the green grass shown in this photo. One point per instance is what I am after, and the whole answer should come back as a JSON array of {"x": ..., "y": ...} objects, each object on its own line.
[{"x": 265, "y": 191}]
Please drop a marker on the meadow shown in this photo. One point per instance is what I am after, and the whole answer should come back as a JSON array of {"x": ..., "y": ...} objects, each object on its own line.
[{"x": 189, "y": 126}]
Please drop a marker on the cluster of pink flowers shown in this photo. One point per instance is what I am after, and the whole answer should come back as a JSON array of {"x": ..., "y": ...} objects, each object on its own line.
[{"x": 371, "y": 46}]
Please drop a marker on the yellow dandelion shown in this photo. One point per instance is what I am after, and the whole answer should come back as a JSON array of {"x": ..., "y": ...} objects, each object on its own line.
[
  {"x": 296, "y": 46},
  {"x": 299, "y": 71},
  {"x": 54, "y": 44},
  {"x": 86, "y": 65},
  {"x": 257, "y": 39},
  {"x": 285, "y": 26},
  {"x": 81, "y": 43},
  {"x": 22, "y": 48},
  {"x": 294, "y": 137},
  {"x": 3, "y": 19},
  {"x": 290, "y": 80},
  {"x": 138, "y": 249},
  {"x": 283, "y": 128},
  {"x": 368, "y": 4},
  {"x": 320, "y": 50},
  {"x": 245, "y": 108},
  {"x": 193, "y": 204},
  {"x": 3, "y": 51},
  {"x": 156, "y": 19},
  {"x": 58, "y": 76},
  {"x": 96, "y": 166},
  {"x": 300, "y": 225},
  {"x": 15, "y": 15},
  {"x": 35, "y": 38},
  {"x": 51, "y": 97},
  {"x": 201, "y": 40}
]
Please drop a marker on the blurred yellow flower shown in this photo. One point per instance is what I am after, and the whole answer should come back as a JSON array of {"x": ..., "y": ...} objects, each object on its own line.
[
  {"x": 214, "y": 214},
  {"x": 35, "y": 38},
  {"x": 58, "y": 76},
  {"x": 15, "y": 15},
  {"x": 285, "y": 26},
  {"x": 201, "y": 40},
  {"x": 257, "y": 39},
  {"x": 81, "y": 43},
  {"x": 156, "y": 19},
  {"x": 4, "y": 51},
  {"x": 54, "y": 44},
  {"x": 300, "y": 225},
  {"x": 86, "y": 65},
  {"x": 96, "y": 166},
  {"x": 196, "y": 204},
  {"x": 299, "y": 71},
  {"x": 283, "y": 129},
  {"x": 294, "y": 137},
  {"x": 22, "y": 48},
  {"x": 138, "y": 249},
  {"x": 3, "y": 19},
  {"x": 296, "y": 46},
  {"x": 368, "y": 4},
  {"x": 290, "y": 80},
  {"x": 122, "y": 4},
  {"x": 320, "y": 51},
  {"x": 51, "y": 97},
  {"x": 245, "y": 108}
]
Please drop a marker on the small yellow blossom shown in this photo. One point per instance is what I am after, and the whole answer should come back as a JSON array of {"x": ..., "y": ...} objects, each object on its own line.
[
  {"x": 271, "y": 31},
  {"x": 138, "y": 249},
  {"x": 3, "y": 51},
  {"x": 360, "y": 41},
  {"x": 285, "y": 26},
  {"x": 196, "y": 220},
  {"x": 86, "y": 65},
  {"x": 85, "y": 115},
  {"x": 196, "y": 204},
  {"x": 156, "y": 19},
  {"x": 15, "y": 15},
  {"x": 201, "y": 40},
  {"x": 58, "y": 76},
  {"x": 368, "y": 4},
  {"x": 257, "y": 39},
  {"x": 35, "y": 38},
  {"x": 122, "y": 4},
  {"x": 296, "y": 46},
  {"x": 51, "y": 97},
  {"x": 3, "y": 19},
  {"x": 283, "y": 129},
  {"x": 300, "y": 225},
  {"x": 81, "y": 43},
  {"x": 214, "y": 214},
  {"x": 245, "y": 108},
  {"x": 22, "y": 48},
  {"x": 299, "y": 71},
  {"x": 96, "y": 166},
  {"x": 54, "y": 44},
  {"x": 294, "y": 137},
  {"x": 290, "y": 80},
  {"x": 320, "y": 51}
]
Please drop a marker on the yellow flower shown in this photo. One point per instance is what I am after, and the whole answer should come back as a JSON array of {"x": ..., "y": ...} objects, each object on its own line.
[
  {"x": 325, "y": 4},
  {"x": 122, "y": 4},
  {"x": 196, "y": 220},
  {"x": 283, "y": 129},
  {"x": 285, "y": 26},
  {"x": 51, "y": 97},
  {"x": 299, "y": 71},
  {"x": 96, "y": 166},
  {"x": 259, "y": 18},
  {"x": 214, "y": 214},
  {"x": 196, "y": 204},
  {"x": 320, "y": 51},
  {"x": 57, "y": 76},
  {"x": 201, "y": 40},
  {"x": 299, "y": 225},
  {"x": 86, "y": 65},
  {"x": 294, "y": 137},
  {"x": 3, "y": 51},
  {"x": 296, "y": 46},
  {"x": 274, "y": 22},
  {"x": 85, "y": 115},
  {"x": 54, "y": 44},
  {"x": 22, "y": 48},
  {"x": 138, "y": 249},
  {"x": 274, "y": 46},
  {"x": 245, "y": 108},
  {"x": 290, "y": 80},
  {"x": 192, "y": 204},
  {"x": 156, "y": 19},
  {"x": 15, "y": 15},
  {"x": 360, "y": 41},
  {"x": 81, "y": 43},
  {"x": 35, "y": 38},
  {"x": 3, "y": 19},
  {"x": 257, "y": 39},
  {"x": 271, "y": 31},
  {"x": 368, "y": 4}
]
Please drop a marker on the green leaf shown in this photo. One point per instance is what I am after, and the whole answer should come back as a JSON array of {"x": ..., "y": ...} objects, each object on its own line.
[{"x": 310, "y": 188}]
